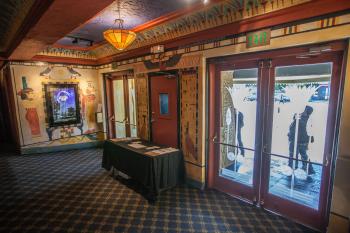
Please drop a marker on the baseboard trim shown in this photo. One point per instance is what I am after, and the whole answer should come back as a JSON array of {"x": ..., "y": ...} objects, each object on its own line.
[
  {"x": 195, "y": 183},
  {"x": 49, "y": 149}
]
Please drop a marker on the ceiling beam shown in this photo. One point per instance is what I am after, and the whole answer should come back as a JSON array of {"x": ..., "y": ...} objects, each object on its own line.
[{"x": 61, "y": 17}]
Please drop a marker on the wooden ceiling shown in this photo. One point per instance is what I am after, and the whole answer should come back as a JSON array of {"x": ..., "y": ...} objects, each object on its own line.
[
  {"x": 29, "y": 30},
  {"x": 12, "y": 15},
  {"x": 28, "y": 26}
]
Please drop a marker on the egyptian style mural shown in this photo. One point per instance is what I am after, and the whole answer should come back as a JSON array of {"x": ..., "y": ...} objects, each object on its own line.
[
  {"x": 142, "y": 97},
  {"x": 71, "y": 53},
  {"x": 89, "y": 97},
  {"x": 63, "y": 91},
  {"x": 28, "y": 102},
  {"x": 189, "y": 115}
]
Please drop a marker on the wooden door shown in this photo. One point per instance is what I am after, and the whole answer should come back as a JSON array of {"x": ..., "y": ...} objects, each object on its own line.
[{"x": 164, "y": 110}]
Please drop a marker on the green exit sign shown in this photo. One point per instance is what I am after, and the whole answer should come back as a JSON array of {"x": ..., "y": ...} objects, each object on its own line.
[{"x": 259, "y": 38}]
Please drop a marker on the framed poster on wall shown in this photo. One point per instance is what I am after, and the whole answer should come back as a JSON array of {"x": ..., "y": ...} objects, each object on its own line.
[{"x": 62, "y": 104}]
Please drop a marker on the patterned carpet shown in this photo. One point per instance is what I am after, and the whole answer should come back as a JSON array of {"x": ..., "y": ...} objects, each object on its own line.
[{"x": 70, "y": 192}]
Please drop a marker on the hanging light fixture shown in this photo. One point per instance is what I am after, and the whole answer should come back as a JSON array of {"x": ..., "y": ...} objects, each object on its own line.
[{"x": 119, "y": 37}]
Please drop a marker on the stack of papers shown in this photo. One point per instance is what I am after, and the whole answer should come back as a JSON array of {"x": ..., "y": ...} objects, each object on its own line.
[
  {"x": 136, "y": 145},
  {"x": 161, "y": 151},
  {"x": 123, "y": 139},
  {"x": 152, "y": 147}
]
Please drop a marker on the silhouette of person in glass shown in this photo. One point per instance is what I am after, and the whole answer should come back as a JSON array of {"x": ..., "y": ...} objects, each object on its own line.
[
  {"x": 240, "y": 124},
  {"x": 303, "y": 140}
]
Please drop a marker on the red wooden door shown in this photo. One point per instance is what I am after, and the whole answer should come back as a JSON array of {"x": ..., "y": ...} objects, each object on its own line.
[{"x": 164, "y": 117}]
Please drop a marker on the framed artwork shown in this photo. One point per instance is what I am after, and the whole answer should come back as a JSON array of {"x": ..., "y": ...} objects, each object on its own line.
[{"x": 62, "y": 104}]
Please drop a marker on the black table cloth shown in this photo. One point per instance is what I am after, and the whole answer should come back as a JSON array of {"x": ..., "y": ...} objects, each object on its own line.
[{"x": 155, "y": 172}]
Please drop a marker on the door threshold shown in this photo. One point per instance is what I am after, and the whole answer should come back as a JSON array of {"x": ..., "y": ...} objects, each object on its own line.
[
  {"x": 291, "y": 219},
  {"x": 237, "y": 197}
]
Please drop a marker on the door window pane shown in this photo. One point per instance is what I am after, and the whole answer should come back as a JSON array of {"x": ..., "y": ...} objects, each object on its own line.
[
  {"x": 238, "y": 119},
  {"x": 164, "y": 104},
  {"x": 119, "y": 108},
  {"x": 301, "y": 99},
  {"x": 132, "y": 108}
]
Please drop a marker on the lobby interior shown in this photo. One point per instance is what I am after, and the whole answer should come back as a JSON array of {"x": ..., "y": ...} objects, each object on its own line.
[{"x": 175, "y": 116}]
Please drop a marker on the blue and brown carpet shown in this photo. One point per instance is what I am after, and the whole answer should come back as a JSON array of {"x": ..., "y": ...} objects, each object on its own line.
[{"x": 70, "y": 192}]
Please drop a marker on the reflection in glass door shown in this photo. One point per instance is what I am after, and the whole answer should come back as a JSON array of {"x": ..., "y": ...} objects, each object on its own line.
[
  {"x": 124, "y": 107},
  {"x": 132, "y": 107},
  {"x": 273, "y": 130},
  {"x": 235, "y": 140},
  {"x": 299, "y": 143},
  {"x": 119, "y": 108},
  {"x": 301, "y": 101},
  {"x": 238, "y": 120}
]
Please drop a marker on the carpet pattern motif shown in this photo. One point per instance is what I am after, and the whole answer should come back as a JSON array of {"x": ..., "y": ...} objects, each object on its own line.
[{"x": 70, "y": 192}]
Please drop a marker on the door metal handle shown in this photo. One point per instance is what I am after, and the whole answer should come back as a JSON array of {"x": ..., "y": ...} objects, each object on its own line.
[{"x": 214, "y": 138}]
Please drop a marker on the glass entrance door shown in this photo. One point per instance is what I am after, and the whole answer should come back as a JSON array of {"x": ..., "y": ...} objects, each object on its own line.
[
  {"x": 124, "y": 107},
  {"x": 299, "y": 139},
  {"x": 236, "y": 141},
  {"x": 272, "y": 129}
]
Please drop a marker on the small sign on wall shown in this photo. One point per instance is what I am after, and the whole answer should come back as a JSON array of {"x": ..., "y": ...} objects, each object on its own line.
[{"x": 258, "y": 38}]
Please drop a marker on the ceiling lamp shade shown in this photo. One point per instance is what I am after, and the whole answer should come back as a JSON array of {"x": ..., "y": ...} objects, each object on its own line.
[{"x": 119, "y": 38}]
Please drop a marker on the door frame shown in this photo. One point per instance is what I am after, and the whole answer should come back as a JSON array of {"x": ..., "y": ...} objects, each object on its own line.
[
  {"x": 212, "y": 73},
  {"x": 177, "y": 76},
  {"x": 238, "y": 190}
]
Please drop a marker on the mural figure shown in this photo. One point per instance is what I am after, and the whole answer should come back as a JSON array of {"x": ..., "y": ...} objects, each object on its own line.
[
  {"x": 47, "y": 72},
  {"x": 73, "y": 73},
  {"x": 88, "y": 108},
  {"x": 27, "y": 96},
  {"x": 190, "y": 146}
]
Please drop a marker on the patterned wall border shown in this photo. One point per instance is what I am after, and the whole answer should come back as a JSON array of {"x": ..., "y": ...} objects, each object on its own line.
[
  {"x": 30, "y": 63},
  {"x": 215, "y": 15},
  {"x": 279, "y": 31},
  {"x": 68, "y": 53}
]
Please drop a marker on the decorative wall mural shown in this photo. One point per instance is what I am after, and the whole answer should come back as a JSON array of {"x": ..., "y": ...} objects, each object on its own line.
[
  {"x": 88, "y": 108},
  {"x": 189, "y": 115},
  {"x": 73, "y": 73},
  {"x": 47, "y": 72},
  {"x": 62, "y": 102},
  {"x": 161, "y": 62},
  {"x": 141, "y": 83},
  {"x": 28, "y": 96}
]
